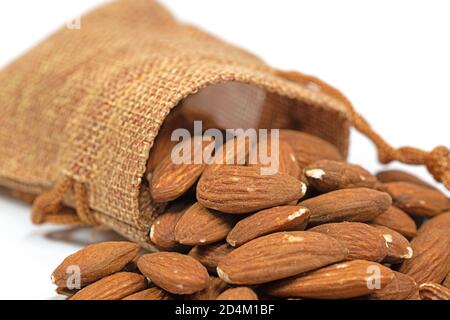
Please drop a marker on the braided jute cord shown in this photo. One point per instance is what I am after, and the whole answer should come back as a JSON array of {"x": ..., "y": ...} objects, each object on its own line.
[
  {"x": 437, "y": 161},
  {"x": 47, "y": 208}
]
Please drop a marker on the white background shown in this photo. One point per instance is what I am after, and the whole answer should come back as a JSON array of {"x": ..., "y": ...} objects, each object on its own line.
[{"x": 390, "y": 57}]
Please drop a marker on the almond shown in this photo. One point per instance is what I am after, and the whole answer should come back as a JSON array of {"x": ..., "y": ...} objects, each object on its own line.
[
  {"x": 95, "y": 261},
  {"x": 433, "y": 291},
  {"x": 329, "y": 175},
  {"x": 162, "y": 231},
  {"x": 171, "y": 180},
  {"x": 431, "y": 259},
  {"x": 211, "y": 255},
  {"x": 239, "y": 189},
  {"x": 149, "y": 294},
  {"x": 399, "y": 248},
  {"x": 308, "y": 148},
  {"x": 397, "y": 220},
  {"x": 234, "y": 152},
  {"x": 403, "y": 287},
  {"x": 441, "y": 221},
  {"x": 279, "y": 255},
  {"x": 200, "y": 226},
  {"x": 361, "y": 240},
  {"x": 401, "y": 176},
  {"x": 339, "y": 281},
  {"x": 240, "y": 293},
  {"x": 417, "y": 200},
  {"x": 284, "y": 218},
  {"x": 174, "y": 272},
  {"x": 113, "y": 287},
  {"x": 359, "y": 205},
  {"x": 285, "y": 160}
]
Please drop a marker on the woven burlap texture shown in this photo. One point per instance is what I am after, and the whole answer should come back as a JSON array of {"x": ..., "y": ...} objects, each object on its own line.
[{"x": 80, "y": 111}]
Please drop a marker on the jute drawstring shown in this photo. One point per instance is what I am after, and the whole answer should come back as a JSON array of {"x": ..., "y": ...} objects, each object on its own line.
[
  {"x": 437, "y": 161},
  {"x": 48, "y": 207}
]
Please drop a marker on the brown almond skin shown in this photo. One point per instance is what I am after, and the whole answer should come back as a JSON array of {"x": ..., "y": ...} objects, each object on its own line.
[
  {"x": 339, "y": 281},
  {"x": 431, "y": 259},
  {"x": 174, "y": 272},
  {"x": 417, "y": 200},
  {"x": 403, "y": 287},
  {"x": 96, "y": 261},
  {"x": 398, "y": 247},
  {"x": 211, "y": 255},
  {"x": 279, "y": 255},
  {"x": 401, "y": 176},
  {"x": 441, "y": 221},
  {"x": 329, "y": 175},
  {"x": 231, "y": 156},
  {"x": 362, "y": 241},
  {"x": 170, "y": 181},
  {"x": 286, "y": 162},
  {"x": 239, "y": 189},
  {"x": 200, "y": 226},
  {"x": 283, "y": 218},
  {"x": 397, "y": 220},
  {"x": 357, "y": 205},
  {"x": 309, "y": 148},
  {"x": 154, "y": 293},
  {"x": 113, "y": 287},
  {"x": 162, "y": 231},
  {"x": 239, "y": 293},
  {"x": 433, "y": 291}
]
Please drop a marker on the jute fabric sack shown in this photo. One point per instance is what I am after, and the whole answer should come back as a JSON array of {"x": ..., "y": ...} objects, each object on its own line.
[{"x": 79, "y": 113}]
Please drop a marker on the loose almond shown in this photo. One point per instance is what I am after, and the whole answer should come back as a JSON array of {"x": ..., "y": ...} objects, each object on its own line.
[
  {"x": 283, "y": 218},
  {"x": 401, "y": 176},
  {"x": 358, "y": 205},
  {"x": 94, "y": 262},
  {"x": 170, "y": 179},
  {"x": 431, "y": 259},
  {"x": 113, "y": 287},
  {"x": 343, "y": 280},
  {"x": 200, "y": 226},
  {"x": 174, "y": 272},
  {"x": 240, "y": 293},
  {"x": 361, "y": 240},
  {"x": 329, "y": 175},
  {"x": 417, "y": 200},
  {"x": 441, "y": 221},
  {"x": 308, "y": 148},
  {"x": 211, "y": 255},
  {"x": 397, "y": 220},
  {"x": 239, "y": 189},
  {"x": 402, "y": 287},
  {"x": 162, "y": 231},
  {"x": 279, "y": 255},
  {"x": 276, "y": 157},
  {"x": 433, "y": 291},
  {"x": 398, "y": 247}
]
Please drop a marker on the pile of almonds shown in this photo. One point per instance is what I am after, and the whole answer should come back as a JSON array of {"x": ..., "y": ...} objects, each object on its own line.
[{"x": 320, "y": 228}]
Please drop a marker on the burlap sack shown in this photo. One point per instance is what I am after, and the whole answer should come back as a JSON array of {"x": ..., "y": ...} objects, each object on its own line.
[{"x": 80, "y": 112}]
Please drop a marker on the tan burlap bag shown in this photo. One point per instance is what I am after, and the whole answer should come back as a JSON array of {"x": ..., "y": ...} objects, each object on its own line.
[{"x": 80, "y": 112}]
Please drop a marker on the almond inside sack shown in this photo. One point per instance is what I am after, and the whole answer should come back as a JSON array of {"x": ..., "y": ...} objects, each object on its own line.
[{"x": 81, "y": 112}]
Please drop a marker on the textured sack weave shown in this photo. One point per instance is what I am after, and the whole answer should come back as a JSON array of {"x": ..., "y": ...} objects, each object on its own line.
[{"x": 79, "y": 112}]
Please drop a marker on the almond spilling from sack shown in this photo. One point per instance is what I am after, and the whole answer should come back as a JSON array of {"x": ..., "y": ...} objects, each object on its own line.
[{"x": 315, "y": 228}]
